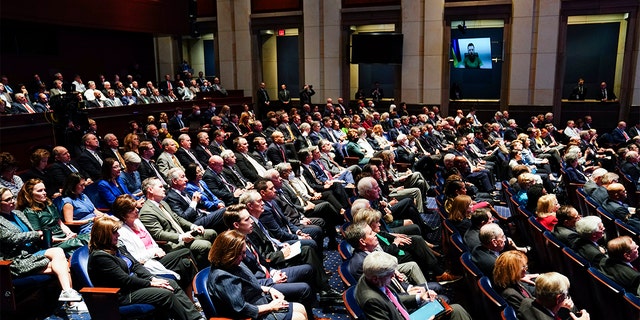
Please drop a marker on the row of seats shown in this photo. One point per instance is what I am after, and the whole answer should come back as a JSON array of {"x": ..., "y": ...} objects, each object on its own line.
[{"x": 589, "y": 287}]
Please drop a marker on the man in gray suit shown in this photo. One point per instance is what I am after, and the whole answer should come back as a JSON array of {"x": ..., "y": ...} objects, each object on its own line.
[{"x": 164, "y": 224}]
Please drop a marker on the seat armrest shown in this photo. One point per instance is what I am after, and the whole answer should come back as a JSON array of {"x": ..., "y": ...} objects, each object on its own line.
[{"x": 102, "y": 302}]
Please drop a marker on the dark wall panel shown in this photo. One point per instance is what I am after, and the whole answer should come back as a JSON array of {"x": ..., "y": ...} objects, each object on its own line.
[
  {"x": 262, "y": 6},
  {"x": 591, "y": 54},
  {"x": 288, "y": 64},
  {"x": 156, "y": 16},
  {"x": 209, "y": 58},
  {"x": 24, "y": 51}
]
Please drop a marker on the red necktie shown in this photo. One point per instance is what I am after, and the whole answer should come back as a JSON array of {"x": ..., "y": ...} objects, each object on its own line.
[
  {"x": 395, "y": 302},
  {"x": 29, "y": 109}
]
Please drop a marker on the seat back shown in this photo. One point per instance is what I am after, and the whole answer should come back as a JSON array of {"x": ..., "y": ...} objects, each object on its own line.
[
  {"x": 607, "y": 293},
  {"x": 626, "y": 230},
  {"x": 448, "y": 229},
  {"x": 509, "y": 313},
  {"x": 346, "y": 276},
  {"x": 575, "y": 268},
  {"x": 582, "y": 201},
  {"x": 491, "y": 302},
  {"x": 457, "y": 249},
  {"x": 345, "y": 250},
  {"x": 591, "y": 206},
  {"x": 350, "y": 302},
  {"x": 79, "y": 267},
  {"x": 554, "y": 251},
  {"x": 471, "y": 274},
  {"x": 632, "y": 306},
  {"x": 201, "y": 292},
  {"x": 535, "y": 231},
  {"x": 609, "y": 222}
]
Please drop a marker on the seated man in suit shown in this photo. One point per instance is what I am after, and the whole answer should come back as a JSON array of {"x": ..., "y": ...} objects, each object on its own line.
[
  {"x": 364, "y": 241},
  {"x": 202, "y": 149},
  {"x": 565, "y": 230},
  {"x": 616, "y": 205},
  {"x": 90, "y": 160},
  {"x": 61, "y": 169},
  {"x": 630, "y": 166},
  {"x": 276, "y": 254},
  {"x": 187, "y": 206},
  {"x": 232, "y": 173},
  {"x": 492, "y": 242},
  {"x": 623, "y": 252},
  {"x": 294, "y": 282},
  {"x": 591, "y": 231},
  {"x": 552, "y": 294},
  {"x": 185, "y": 154},
  {"x": 148, "y": 167},
  {"x": 218, "y": 184},
  {"x": 167, "y": 159},
  {"x": 479, "y": 218},
  {"x": 379, "y": 300},
  {"x": 164, "y": 224},
  {"x": 277, "y": 152},
  {"x": 249, "y": 166}
]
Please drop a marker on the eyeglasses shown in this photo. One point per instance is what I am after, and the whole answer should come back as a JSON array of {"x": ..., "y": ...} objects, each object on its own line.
[{"x": 8, "y": 200}]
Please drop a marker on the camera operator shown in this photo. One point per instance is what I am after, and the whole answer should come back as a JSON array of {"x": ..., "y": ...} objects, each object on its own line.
[{"x": 305, "y": 94}]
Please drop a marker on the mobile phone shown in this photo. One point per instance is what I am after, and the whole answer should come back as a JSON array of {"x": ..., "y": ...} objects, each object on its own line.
[{"x": 195, "y": 232}]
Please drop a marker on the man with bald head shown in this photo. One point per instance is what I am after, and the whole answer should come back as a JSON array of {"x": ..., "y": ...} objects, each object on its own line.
[
  {"x": 617, "y": 206},
  {"x": 217, "y": 182}
]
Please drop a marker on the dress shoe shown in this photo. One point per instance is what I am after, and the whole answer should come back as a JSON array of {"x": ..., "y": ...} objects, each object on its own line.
[
  {"x": 329, "y": 301},
  {"x": 332, "y": 293},
  {"x": 447, "y": 277}
]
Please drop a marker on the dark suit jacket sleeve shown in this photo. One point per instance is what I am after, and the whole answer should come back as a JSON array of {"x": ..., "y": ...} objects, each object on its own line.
[
  {"x": 274, "y": 155},
  {"x": 268, "y": 220},
  {"x": 217, "y": 187},
  {"x": 89, "y": 165},
  {"x": 245, "y": 167},
  {"x": 180, "y": 207},
  {"x": 106, "y": 270}
]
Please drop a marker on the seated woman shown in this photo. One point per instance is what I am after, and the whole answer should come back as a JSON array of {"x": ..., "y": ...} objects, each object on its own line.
[
  {"x": 525, "y": 181},
  {"x": 353, "y": 149},
  {"x": 111, "y": 185},
  {"x": 546, "y": 211},
  {"x": 113, "y": 266},
  {"x": 43, "y": 215},
  {"x": 574, "y": 170},
  {"x": 8, "y": 177},
  {"x": 20, "y": 243},
  {"x": 208, "y": 200},
  {"x": 235, "y": 290},
  {"x": 511, "y": 279},
  {"x": 131, "y": 142},
  {"x": 130, "y": 176},
  {"x": 75, "y": 205},
  {"x": 138, "y": 241},
  {"x": 378, "y": 134},
  {"x": 460, "y": 212},
  {"x": 39, "y": 160}
]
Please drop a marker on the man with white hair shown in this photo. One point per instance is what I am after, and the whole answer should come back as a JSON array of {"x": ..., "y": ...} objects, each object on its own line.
[
  {"x": 552, "y": 294},
  {"x": 595, "y": 181},
  {"x": 380, "y": 301},
  {"x": 591, "y": 231}
]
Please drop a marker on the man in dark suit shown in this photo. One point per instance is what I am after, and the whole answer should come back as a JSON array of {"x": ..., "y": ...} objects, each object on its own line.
[
  {"x": 186, "y": 206},
  {"x": 284, "y": 96},
  {"x": 623, "y": 252},
  {"x": 202, "y": 150},
  {"x": 277, "y": 255},
  {"x": 61, "y": 169},
  {"x": 248, "y": 166},
  {"x": 630, "y": 166},
  {"x": 619, "y": 135},
  {"x": 336, "y": 188},
  {"x": 176, "y": 126},
  {"x": 492, "y": 242},
  {"x": 263, "y": 100},
  {"x": 380, "y": 301},
  {"x": 42, "y": 105},
  {"x": 276, "y": 151},
  {"x": 148, "y": 167},
  {"x": 606, "y": 94},
  {"x": 90, "y": 159},
  {"x": 579, "y": 92},
  {"x": 616, "y": 206},
  {"x": 232, "y": 173},
  {"x": 552, "y": 294},
  {"x": 565, "y": 230},
  {"x": 164, "y": 224},
  {"x": 218, "y": 184},
  {"x": 185, "y": 154},
  {"x": 260, "y": 152},
  {"x": 218, "y": 145},
  {"x": 295, "y": 282},
  {"x": 591, "y": 231},
  {"x": 166, "y": 85},
  {"x": 22, "y": 105}
]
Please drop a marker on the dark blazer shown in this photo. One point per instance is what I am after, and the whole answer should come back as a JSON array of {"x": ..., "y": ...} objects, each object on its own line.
[
  {"x": 108, "y": 270},
  {"x": 232, "y": 177},
  {"x": 514, "y": 296},
  {"x": 275, "y": 155},
  {"x": 260, "y": 158},
  {"x": 269, "y": 256},
  {"x": 201, "y": 154},
  {"x": 90, "y": 165},
  {"x": 57, "y": 173},
  {"x": 484, "y": 259},
  {"x": 311, "y": 180},
  {"x": 617, "y": 136},
  {"x": 163, "y": 87},
  {"x": 145, "y": 169},
  {"x": 575, "y": 175},
  {"x": 531, "y": 310},
  {"x": 355, "y": 263},
  {"x": 610, "y": 95},
  {"x": 181, "y": 207},
  {"x": 589, "y": 251},
  {"x": 276, "y": 223},
  {"x": 623, "y": 274},
  {"x": 566, "y": 235},
  {"x": 245, "y": 167},
  {"x": 185, "y": 159},
  {"x": 405, "y": 155},
  {"x": 632, "y": 170},
  {"x": 377, "y": 306},
  {"x": 218, "y": 187}
]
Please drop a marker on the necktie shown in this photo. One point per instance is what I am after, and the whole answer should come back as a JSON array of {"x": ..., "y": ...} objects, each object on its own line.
[
  {"x": 239, "y": 176},
  {"x": 290, "y": 132},
  {"x": 180, "y": 123},
  {"x": 324, "y": 169},
  {"x": 604, "y": 94},
  {"x": 29, "y": 109},
  {"x": 207, "y": 151},
  {"x": 229, "y": 186},
  {"x": 255, "y": 253},
  {"x": 625, "y": 135},
  {"x": 175, "y": 161},
  {"x": 396, "y": 303},
  {"x": 284, "y": 158},
  {"x": 173, "y": 222},
  {"x": 95, "y": 155},
  {"x": 120, "y": 159},
  {"x": 278, "y": 212},
  {"x": 72, "y": 168},
  {"x": 193, "y": 157},
  {"x": 259, "y": 168},
  {"x": 153, "y": 167},
  {"x": 276, "y": 244}
]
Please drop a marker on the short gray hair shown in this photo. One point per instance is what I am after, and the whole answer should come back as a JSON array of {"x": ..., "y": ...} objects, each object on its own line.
[
  {"x": 378, "y": 264},
  {"x": 271, "y": 174},
  {"x": 365, "y": 184},
  {"x": 249, "y": 196},
  {"x": 587, "y": 225}
]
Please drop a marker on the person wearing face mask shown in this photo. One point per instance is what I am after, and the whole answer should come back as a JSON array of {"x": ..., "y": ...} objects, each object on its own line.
[
  {"x": 197, "y": 116},
  {"x": 176, "y": 125},
  {"x": 303, "y": 141}
]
